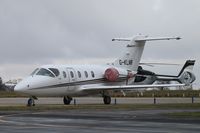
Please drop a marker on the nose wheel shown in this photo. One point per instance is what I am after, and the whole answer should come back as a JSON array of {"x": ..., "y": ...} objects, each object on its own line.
[
  {"x": 107, "y": 99},
  {"x": 31, "y": 102},
  {"x": 67, "y": 100}
]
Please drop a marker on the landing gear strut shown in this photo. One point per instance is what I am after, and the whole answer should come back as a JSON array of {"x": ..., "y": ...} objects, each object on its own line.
[
  {"x": 106, "y": 99},
  {"x": 67, "y": 100},
  {"x": 31, "y": 102}
]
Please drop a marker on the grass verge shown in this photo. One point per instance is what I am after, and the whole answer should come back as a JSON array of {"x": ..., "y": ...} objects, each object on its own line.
[
  {"x": 101, "y": 107},
  {"x": 185, "y": 114}
]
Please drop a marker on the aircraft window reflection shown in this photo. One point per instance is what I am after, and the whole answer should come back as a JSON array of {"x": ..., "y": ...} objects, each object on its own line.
[
  {"x": 64, "y": 74},
  {"x": 55, "y": 71},
  {"x": 44, "y": 72},
  {"x": 79, "y": 74},
  {"x": 86, "y": 74},
  {"x": 72, "y": 74},
  {"x": 92, "y": 73},
  {"x": 34, "y": 71}
]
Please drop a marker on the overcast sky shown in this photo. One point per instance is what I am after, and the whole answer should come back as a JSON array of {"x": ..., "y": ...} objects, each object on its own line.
[{"x": 38, "y": 32}]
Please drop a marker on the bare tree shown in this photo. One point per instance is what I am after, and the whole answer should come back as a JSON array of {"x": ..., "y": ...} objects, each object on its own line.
[{"x": 1, "y": 81}]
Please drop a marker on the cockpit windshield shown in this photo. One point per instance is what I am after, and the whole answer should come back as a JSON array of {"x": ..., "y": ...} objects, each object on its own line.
[
  {"x": 34, "y": 71},
  {"x": 44, "y": 72},
  {"x": 55, "y": 71}
]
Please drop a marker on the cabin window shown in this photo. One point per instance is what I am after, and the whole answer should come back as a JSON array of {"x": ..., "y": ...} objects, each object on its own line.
[
  {"x": 86, "y": 74},
  {"x": 55, "y": 71},
  {"x": 64, "y": 74},
  {"x": 72, "y": 74},
  {"x": 45, "y": 72},
  {"x": 92, "y": 73},
  {"x": 79, "y": 74}
]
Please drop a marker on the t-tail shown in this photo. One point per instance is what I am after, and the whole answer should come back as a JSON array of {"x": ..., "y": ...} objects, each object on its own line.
[
  {"x": 185, "y": 76},
  {"x": 132, "y": 56}
]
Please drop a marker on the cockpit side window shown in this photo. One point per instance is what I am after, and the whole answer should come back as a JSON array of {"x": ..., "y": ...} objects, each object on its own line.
[
  {"x": 44, "y": 72},
  {"x": 55, "y": 71},
  {"x": 34, "y": 71}
]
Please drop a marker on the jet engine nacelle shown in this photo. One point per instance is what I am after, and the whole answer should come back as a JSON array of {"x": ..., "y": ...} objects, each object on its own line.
[{"x": 111, "y": 74}]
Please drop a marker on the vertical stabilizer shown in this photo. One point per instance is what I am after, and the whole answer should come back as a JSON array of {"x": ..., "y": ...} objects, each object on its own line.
[{"x": 132, "y": 56}]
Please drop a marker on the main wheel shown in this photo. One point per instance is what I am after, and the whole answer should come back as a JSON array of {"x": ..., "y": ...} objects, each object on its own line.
[
  {"x": 107, "y": 99},
  {"x": 67, "y": 100},
  {"x": 31, "y": 102}
]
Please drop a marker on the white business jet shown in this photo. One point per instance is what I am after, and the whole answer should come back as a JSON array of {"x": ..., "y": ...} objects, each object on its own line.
[{"x": 81, "y": 80}]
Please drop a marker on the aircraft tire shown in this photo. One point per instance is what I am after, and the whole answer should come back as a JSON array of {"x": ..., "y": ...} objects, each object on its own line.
[
  {"x": 67, "y": 100},
  {"x": 30, "y": 102},
  {"x": 107, "y": 99}
]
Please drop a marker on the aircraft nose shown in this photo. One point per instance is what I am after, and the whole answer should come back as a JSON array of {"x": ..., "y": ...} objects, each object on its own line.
[{"x": 21, "y": 86}]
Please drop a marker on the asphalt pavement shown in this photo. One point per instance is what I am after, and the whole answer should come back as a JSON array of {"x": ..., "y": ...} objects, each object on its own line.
[
  {"x": 108, "y": 120},
  {"x": 98, "y": 121}
]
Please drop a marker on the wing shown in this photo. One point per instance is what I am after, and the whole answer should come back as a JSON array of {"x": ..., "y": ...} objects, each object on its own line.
[{"x": 127, "y": 87}]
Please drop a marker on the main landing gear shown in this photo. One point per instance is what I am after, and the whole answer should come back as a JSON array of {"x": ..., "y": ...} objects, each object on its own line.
[
  {"x": 106, "y": 99},
  {"x": 31, "y": 102},
  {"x": 67, "y": 100}
]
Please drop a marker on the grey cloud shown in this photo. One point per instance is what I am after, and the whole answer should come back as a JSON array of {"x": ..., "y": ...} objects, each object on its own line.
[{"x": 42, "y": 31}]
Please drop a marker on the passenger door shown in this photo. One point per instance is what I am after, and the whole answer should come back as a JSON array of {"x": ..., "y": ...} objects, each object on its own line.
[
  {"x": 63, "y": 78},
  {"x": 72, "y": 74},
  {"x": 72, "y": 78}
]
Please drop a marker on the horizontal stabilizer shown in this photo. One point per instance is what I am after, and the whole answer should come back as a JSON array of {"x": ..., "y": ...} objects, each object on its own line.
[
  {"x": 145, "y": 38},
  {"x": 157, "y": 38},
  {"x": 121, "y": 39}
]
